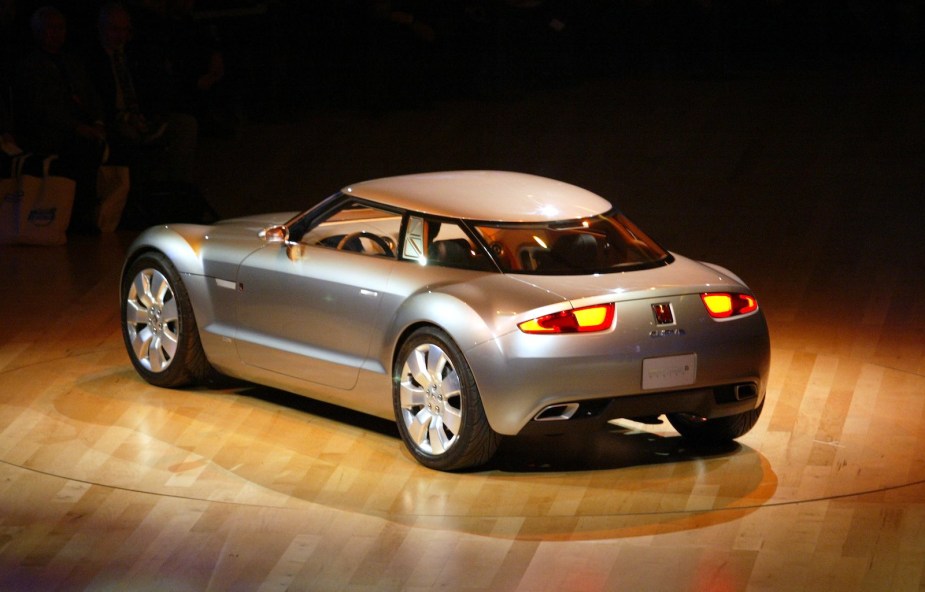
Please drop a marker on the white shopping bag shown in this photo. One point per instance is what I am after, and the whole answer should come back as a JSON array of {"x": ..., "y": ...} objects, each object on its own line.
[{"x": 37, "y": 210}]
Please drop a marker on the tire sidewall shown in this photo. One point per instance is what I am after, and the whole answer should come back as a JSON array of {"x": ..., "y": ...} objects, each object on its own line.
[{"x": 459, "y": 455}]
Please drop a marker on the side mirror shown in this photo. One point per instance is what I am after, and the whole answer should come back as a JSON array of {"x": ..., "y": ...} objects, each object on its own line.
[{"x": 275, "y": 234}]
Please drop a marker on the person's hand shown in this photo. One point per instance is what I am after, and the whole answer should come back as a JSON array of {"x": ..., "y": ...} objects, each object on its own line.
[
  {"x": 8, "y": 145},
  {"x": 95, "y": 132},
  {"x": 215, "y": 72},
  {"x": 138, "y": 122}
]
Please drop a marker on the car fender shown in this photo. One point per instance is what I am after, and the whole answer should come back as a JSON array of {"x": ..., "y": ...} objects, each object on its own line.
[
  {"x": 181, "y": 243},
  {"x": 445, "y": 311},
  {"x": 472, "y": 313}
]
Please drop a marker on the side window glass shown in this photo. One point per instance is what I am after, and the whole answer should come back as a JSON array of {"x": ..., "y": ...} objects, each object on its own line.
[
  {"x": 358, "y": 228},
  {"x": 448, "y": 245}
]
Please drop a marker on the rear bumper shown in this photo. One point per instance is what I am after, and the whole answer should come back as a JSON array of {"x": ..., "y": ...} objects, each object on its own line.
[
  {"x": 522, "y": 376},
  {"x": 593, "y": 414}
]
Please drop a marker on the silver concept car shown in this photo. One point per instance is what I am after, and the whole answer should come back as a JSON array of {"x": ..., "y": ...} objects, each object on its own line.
[{"x": 466, "y": 305}]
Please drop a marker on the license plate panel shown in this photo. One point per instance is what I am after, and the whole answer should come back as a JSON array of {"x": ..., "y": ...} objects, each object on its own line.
[{"x": 669, "y": 371}]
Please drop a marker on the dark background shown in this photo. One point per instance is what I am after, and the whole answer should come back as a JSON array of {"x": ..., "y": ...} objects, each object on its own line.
[
  {"x": 750, "y": 133},
  {"x": 785, "y": 140},
  {"x": 288, "y": 54}
]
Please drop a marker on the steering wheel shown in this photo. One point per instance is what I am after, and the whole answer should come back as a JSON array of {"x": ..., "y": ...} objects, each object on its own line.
[
  {"x": 504, "y": 257},
  {"x": 380, "y": 242}
]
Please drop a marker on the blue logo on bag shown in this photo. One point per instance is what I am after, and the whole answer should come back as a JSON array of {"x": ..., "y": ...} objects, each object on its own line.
[{"x": 42, "y": 216}]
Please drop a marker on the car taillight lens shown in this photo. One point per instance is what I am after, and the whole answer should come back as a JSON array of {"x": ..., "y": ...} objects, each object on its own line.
[
  {"x": 725, "y": 305},
  {"x": 577, "y": 320}
]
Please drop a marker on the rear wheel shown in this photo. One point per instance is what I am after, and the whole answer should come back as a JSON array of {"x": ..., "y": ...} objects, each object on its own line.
[
  {"x": 437, "y": 404},
  {"x": 158, "y": 324},
  {"x": 720, "y": 429}
]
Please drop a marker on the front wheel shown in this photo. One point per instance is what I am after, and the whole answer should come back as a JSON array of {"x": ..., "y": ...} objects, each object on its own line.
[
  {"x": 720, "y": 429},
  {"x": 158, "y": 324},
  {"x": 437, "y": 404}
]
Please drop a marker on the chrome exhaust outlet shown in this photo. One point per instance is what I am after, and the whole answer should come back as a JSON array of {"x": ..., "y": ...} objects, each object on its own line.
[
  {"x": 745, "y": 391},
  {"x": 559, "y": 412}
]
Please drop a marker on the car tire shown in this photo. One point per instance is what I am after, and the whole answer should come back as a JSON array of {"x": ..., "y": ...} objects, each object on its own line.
[
  {"x": 158, "y": 325},
  {"x": 437, "y": 404},
  {"x": 720, "y": 429}
]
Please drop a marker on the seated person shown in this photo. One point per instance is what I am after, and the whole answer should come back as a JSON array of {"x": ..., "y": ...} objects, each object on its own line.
[
  {"x": 143, "y": 132},
  {"x": 59, "y": 112}
]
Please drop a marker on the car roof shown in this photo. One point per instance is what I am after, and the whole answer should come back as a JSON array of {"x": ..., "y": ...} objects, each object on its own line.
[{"x": 484, "y": 195}]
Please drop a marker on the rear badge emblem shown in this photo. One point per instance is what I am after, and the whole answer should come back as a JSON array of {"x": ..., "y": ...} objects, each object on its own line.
[{"x": 663, "y": 314}]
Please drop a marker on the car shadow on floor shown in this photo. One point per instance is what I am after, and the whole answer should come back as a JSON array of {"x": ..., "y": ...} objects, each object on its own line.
[{"x": 616, "y": 446}]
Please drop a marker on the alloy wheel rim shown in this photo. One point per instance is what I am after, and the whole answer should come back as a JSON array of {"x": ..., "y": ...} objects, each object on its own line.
[
  {"x": 152, "y": 320},
  {"x": 431, "y": 399}
]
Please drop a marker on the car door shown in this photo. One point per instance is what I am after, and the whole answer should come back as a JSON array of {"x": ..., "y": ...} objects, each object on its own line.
[{"x": 308, "y": 310}]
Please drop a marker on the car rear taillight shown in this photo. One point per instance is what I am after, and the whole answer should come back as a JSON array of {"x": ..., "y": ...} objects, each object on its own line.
[
  {"x": 577, "y": 320},
  {"x": 724, "y": 305}
]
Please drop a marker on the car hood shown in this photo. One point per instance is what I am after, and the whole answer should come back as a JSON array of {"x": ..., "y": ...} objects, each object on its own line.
[
  {"x": 681, "y": 276},
  {"x": 216, "y": 250},
  {"x": 235, "y": 237},
  {"x": 251, "y": 224}
]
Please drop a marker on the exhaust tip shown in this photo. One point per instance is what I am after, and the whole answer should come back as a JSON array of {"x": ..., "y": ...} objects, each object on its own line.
[
  {"x": 745, "y": 391},
  {"x": 559, "y": 412}
]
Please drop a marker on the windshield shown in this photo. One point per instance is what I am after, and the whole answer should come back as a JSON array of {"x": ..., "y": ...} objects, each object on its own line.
[{"x": 597, "y": 244}]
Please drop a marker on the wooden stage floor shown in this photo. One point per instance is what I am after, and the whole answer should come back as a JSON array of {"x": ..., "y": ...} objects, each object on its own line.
[{"x": 107, "y": 483}]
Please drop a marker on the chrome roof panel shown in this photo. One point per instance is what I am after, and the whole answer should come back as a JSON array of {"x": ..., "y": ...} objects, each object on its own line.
[{"x": 484, "y": 195}]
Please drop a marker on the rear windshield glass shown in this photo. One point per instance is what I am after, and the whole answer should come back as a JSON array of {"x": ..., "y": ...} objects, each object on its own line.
[{"x": 597, "y": 244}]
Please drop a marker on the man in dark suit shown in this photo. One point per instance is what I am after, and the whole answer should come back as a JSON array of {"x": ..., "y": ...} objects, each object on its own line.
[{"x": 144, "y": 133}]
